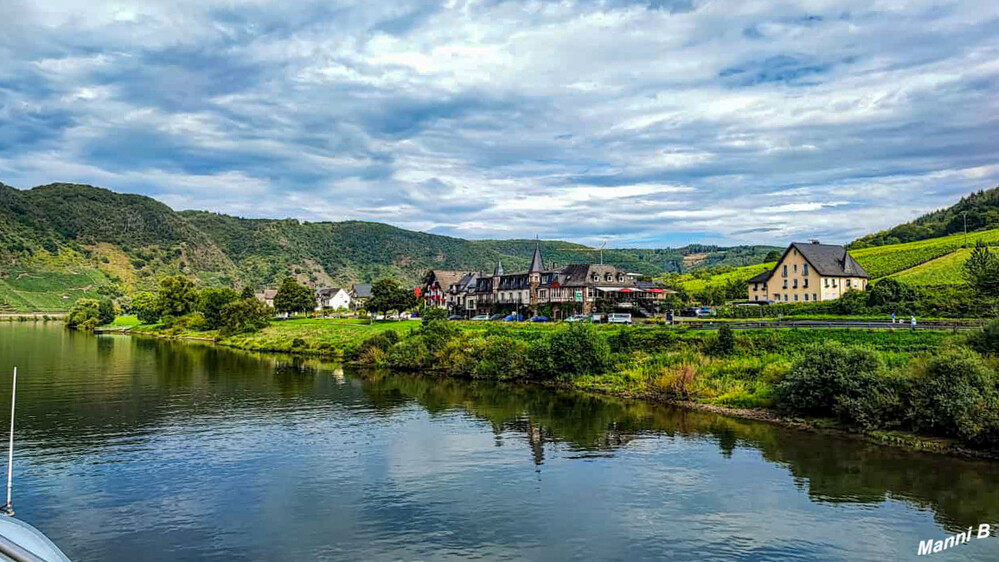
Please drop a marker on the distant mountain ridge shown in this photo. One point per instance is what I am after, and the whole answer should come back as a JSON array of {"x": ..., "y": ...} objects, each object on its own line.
[
  {"x": 90, "y": 235},
  {"x": 980, "y": 211}
]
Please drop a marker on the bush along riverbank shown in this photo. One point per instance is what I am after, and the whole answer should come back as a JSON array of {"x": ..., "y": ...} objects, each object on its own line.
[{"x": 888, "y": 385}]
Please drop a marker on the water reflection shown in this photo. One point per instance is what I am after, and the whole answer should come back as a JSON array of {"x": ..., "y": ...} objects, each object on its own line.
[{"x": 164, "y": 443}]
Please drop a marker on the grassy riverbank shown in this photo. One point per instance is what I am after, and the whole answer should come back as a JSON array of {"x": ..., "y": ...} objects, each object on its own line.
[{"x": 871, "y": 381}]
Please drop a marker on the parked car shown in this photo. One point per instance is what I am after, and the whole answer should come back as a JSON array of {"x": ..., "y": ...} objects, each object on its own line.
[
  {"x": 540, "y": 319},
  {"x": 705, "y": 311},
  {"x": 456, "y": 317},
  {"x": 578, "y": 318},
  {"x": 479, "y": 317},
  {"x": 495, "y": 317},
  {"x": 514, "y": 318},
  {"x": 619, "y": 318},
  {"x": 596, "y": 318}
]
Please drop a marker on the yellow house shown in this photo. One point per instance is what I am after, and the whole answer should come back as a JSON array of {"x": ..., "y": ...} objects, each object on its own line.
[{"x": 809, "y": 272}]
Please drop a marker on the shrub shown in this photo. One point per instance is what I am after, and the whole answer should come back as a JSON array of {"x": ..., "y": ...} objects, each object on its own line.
[
  {"x": 724, "y": 343},
  {"x": 842, "y": 381},
  {"x": 569, "y": 351},
  {"x": 429, "y": 314},
  {"x": 623, "y": 341},
  {"x": 503, "y": 358},
  {"x": 437, "y": 333},
  {"x": 192, "y": 321},
  {"x": 461, "y": 355},
  {"x": 245, "y": 315},
  {"x": 986, "y": 341},
  {"x": 382, "y": 341},
  {"x": 410, "y": 354},
  {"x": 177, "y": 296},
  {"x": 955, "y": 394},
  {"x": 85, "y": 315}
]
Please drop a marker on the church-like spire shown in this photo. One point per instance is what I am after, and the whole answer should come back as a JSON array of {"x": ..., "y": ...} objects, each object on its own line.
[
  {"x": 537, "y": 262},
  {"x": 499, "y": 269}
]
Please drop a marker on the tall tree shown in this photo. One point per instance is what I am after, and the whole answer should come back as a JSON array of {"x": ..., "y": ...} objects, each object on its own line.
[
  {"x": 211, "y": 301},
  {"x": 294, "y": 297},
  {"x": 388, "y": 294},
  {"x": 982, "y": 270},
  {"x": 177, "y": 296}
]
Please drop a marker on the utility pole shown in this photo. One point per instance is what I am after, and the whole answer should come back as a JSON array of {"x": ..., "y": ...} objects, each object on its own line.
[{"x": 965, "y": 214}]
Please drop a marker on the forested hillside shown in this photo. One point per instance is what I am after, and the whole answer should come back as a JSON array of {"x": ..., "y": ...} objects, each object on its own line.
[
  {"x": 981, "y": 210},
  {"x": 60, "y": 242}
]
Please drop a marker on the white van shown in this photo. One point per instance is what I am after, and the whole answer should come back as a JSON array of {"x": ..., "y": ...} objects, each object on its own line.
[{"x": 619, "y": 318}]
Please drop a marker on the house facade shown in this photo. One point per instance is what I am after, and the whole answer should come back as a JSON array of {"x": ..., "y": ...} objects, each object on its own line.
[
  {"x": 359, "y": 295},
  {"x": 332, "y": 298},
  {"x": 560, "y": 291},
  {"x": 809, "y": 272}
]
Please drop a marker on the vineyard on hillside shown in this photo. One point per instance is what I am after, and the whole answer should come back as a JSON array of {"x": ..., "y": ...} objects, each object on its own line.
[
  {"x": 882, "y": 261},
  {"x": 936, "y": 261}
]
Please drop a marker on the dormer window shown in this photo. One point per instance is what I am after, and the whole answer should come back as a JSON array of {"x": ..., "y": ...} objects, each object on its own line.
[
  {"x": 608, "y": 277},
  {"x": 596, "y": 277}
]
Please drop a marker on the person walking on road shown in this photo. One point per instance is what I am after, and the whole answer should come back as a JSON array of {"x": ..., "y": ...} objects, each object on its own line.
[
  {"x": 892, "y": 317},
  {"x": 913, "y": 322}
]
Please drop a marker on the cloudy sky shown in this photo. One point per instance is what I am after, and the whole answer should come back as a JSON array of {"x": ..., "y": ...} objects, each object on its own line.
[{"x": 639, "y": 122}]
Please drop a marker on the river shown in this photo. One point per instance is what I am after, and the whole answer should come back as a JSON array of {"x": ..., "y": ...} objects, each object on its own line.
[{"x": 143, "y": 449}]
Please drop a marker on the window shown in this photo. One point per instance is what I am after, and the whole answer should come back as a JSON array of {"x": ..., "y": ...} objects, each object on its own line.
[
  {"x": 849, "y": 283},
  {"x": 608, "y": 277},
  {"x": 785, "y": 283},
  {"x": 784, "y": 271},
  {"x": 806, "y": 297},
  {"x": 815, "y": 297},
  {"x": 825, "y": 282},
  {"x": 596, "y": 278},
  {"x": 785, "y": 297},
  {"x": 806, "y": 283},
  {"x": 806, "y": 268},
  {"x": 796, "y": 268},
  {"x": 756, "y": 287},
  {"x": 796, "y": 297},
  {"x": 795, "y": 283}
]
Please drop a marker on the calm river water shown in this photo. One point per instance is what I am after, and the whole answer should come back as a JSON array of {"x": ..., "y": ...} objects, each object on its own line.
[{"x": 138, "y": 449}]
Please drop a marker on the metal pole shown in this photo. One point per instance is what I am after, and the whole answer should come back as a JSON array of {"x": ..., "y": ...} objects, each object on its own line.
[{"x": 8, "y": 508}]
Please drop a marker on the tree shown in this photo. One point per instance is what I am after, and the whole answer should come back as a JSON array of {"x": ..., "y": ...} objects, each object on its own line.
[
  {"x": 146, "y": 307},
  {"x": 772, "y": 255},
  {"x": 247, "y": 293},
  {"x": 982, "y": 270},
  {"x": 245, "y": 315},
  {"x": 106, "y": 311},
  {"x": 388, "y": 294},
  {"x": 211, "y": 302},
  {"x": 294, "y": 297},
  {"x": 177, "y": 296},
  {"x": 889, "y": 292},
  {"x": 85, "y": 314}
]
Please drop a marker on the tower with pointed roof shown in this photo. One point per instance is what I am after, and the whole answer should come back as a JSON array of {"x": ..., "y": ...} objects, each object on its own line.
[{"x": 534, "y": 275}]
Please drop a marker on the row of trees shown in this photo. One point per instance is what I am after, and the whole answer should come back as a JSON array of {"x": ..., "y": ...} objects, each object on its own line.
[{"x": 178, "y": 301}]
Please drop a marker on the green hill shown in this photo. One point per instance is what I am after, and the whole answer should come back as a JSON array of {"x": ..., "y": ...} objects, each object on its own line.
[
  {"x": 62, "y": 241},
  {"x": 978, "y": 211}
]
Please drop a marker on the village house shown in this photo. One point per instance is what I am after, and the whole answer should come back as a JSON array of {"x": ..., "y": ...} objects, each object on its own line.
[
  {"x": 266, "y": 296},
  {"x": 332, "y": 298},
  {"x": 809, "y": 272},
  {"x": 575, "y": 288},
  {"x": 359, "y": 295}
]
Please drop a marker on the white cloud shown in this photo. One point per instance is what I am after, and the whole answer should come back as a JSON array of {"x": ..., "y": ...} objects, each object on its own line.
[{"x": 592, "y": 120}]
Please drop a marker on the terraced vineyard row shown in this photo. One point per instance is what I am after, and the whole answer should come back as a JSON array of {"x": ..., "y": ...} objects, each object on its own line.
[
  {"x": 883, "y": 261},
  {"x": 944, "y": 270}
]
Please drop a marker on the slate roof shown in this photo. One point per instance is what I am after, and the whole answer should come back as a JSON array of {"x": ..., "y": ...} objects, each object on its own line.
[
  {"x": 830, "y": 260},
  {"x": 537, "y": 262},
  {"x": 446, "y": 278},
  {"x": 327, "y": 292},
  {"x": 362, "y": 290}
]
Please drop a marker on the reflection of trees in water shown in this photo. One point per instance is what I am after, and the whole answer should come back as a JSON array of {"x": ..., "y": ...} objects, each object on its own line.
[{"x": 831, "y": 468}]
